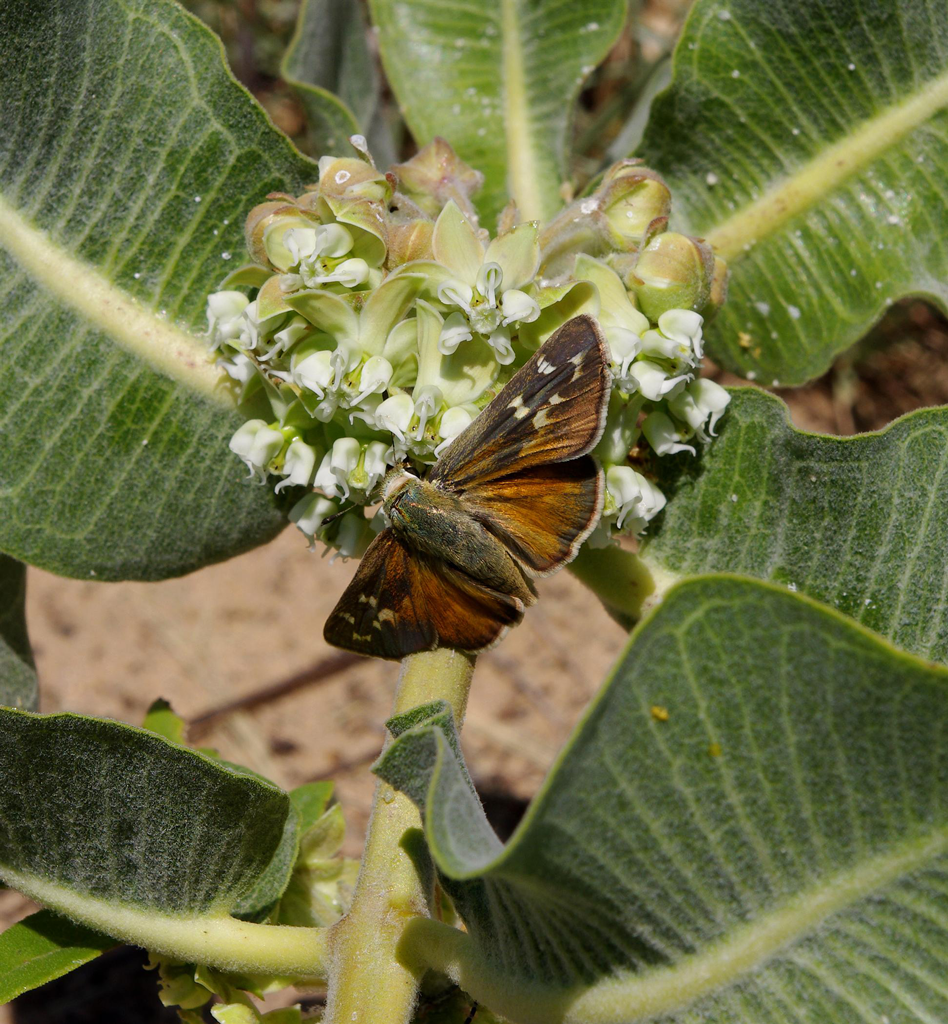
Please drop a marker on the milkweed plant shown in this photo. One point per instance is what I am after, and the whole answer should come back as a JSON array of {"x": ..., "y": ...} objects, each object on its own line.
[{"x": 211, "y": 330}]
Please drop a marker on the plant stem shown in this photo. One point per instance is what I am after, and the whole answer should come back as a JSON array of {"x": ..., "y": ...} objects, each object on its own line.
[
  {"x": 367, "y": 983},
  {"x": 625, "y": 584}
]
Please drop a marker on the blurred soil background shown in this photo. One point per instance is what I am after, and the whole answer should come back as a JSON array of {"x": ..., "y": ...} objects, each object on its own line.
[{"x": 237, "y": 648}]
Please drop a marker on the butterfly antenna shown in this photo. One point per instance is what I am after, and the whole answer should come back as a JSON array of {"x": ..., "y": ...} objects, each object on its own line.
[
  {"x": 470, "y": 1016},
  {"x": 336, "y": 515}
]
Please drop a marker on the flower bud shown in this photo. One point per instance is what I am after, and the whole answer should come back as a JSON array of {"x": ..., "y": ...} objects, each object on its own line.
[
  {"x": 409, "y": 241},
  {"x": 298, "y": 465},
  {"x": 435, "y": 175},
  {"x": 310, "y": 511},
  {"x": 701, "y": 402},
  {"x": 630, "y": 198},
  {"x": 662, "y": 434},
  {"x": 718, "y": 296},
  {"x": 346, "y": 177},
  {"x": 672, "y": 272},
  {"x": 256, "y": 223},
  {"x": 634, "y": 496}
]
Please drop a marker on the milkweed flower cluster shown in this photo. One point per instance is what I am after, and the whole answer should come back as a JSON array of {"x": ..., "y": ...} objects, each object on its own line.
[{"x": 378, "y": 318}]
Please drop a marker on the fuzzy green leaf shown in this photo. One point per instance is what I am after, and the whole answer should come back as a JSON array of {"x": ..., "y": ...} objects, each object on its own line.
[
  {"x": 142, "y": 839},
  {"x": 806, "y": 141},
  {"x": 329, "y": 64},
  {"x": 774, "y": 849},
  {"x": 128, "y": 161},
  {"x": 42, "y": 948},
  {"x": 498, "y": 80},
  {"x": 18, "y": 687},
  {"x": 857, "y": 522}
]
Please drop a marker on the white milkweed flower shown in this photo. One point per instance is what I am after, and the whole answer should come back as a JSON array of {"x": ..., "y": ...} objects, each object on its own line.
[
  {"x": 702, "y": 402},
  {"x": 257, "y": 444},
  {"x": 662, "y": 434},
  {"x": 298, "y": 465},
  {"x": 378, "y": 319},
  {"x": 636, "y": 499},
  {"x": 654, "y": 382}
]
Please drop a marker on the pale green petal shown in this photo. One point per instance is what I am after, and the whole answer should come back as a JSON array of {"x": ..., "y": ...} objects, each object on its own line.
[
  {"x": 328, "y": 312},
  {"x": 429, "y": 324},
  {"x": 277, "y": 252},
  {"x": 615, "y": 305},
  {"x": 271, "y": 301},
  {"x": 401, "y": 343},
  {"x": 385, "y": 306},
  {"x": 369, "y": 240},
  {"x": 518, "y": 253},
  {"x": 467, "y": 373},
  {"x": 456, "y": 246}
]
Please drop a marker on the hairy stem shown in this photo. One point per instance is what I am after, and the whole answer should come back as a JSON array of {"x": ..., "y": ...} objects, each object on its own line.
[
  {"x": 367, "y": 983},
  {"x": 627, "y": 586}
]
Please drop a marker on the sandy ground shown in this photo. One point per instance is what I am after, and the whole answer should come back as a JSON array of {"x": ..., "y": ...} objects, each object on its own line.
[{"x": 232, "y": 630}]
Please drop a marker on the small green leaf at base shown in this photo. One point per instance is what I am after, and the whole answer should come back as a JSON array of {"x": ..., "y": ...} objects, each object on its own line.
[
  {"x": 750, "y": 824},
  {"x": 43, "y": 947}
]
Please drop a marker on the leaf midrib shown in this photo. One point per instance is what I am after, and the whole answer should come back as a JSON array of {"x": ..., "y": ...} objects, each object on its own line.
[
  {"x": 734, "y": 237},
  {"x": 79, "y": 286},
  {"x": 210, "y": 937},
  {"x": 523, "y": 170},
  {"x": 630, "y": 996}
]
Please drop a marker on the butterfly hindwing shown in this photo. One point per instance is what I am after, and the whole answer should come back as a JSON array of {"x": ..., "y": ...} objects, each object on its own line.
[
  {"x": 542, "y": 515},
  {"x": 552, "y": 409},
  {"x": 400, "y": 602}
]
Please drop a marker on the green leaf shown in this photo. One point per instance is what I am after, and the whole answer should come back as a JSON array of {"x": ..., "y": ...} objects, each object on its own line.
[
  {"x": 42, "y": 948},
  {"x": 805, "y": 141},
  {"x": 129, "y": 160},
  {"x": 775, "y": 849},
  {"x": 310, "y": 800},
  {"x": 142, "y": 839},
  {"x": 498, "y": 80},
  {"x": 857, "y": 522},
  {"x": 18, "y": 687},
  {"x": 329, "y": 64},
  {"x": 162, "y": 720}
]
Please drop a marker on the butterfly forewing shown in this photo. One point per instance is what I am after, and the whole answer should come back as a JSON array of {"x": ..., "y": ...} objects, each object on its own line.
[{"x": 552, "y": 409}]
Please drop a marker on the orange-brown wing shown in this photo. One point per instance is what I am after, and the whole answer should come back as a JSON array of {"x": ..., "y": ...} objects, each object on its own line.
[
  {"x": 399, "y": 603},
  {"x": 382, "y": 611},
  {"x": 552, "y": 409},
  {"x": 543, "y": 514}
]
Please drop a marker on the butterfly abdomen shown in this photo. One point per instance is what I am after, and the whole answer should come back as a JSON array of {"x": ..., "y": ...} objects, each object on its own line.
[{"x": 436, "y": 523}]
